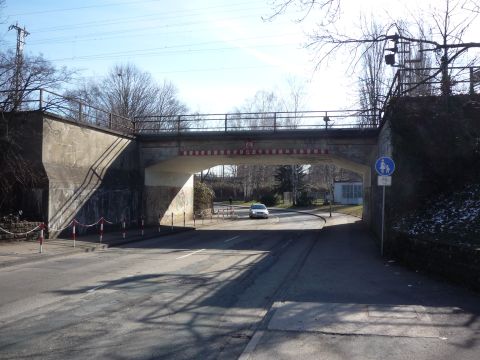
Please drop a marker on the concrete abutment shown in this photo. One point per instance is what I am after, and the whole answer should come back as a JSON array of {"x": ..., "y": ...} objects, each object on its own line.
[{"x": 90, "y": 172}]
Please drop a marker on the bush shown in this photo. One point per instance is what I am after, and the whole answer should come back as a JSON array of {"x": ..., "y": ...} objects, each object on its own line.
[
  {"x": 269, "y": 199},
  {"x": 304, "y": 199},
  {"x": 203, "y": 197}
]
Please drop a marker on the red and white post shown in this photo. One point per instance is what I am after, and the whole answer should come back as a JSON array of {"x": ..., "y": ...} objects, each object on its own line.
[
  {"x": 102, "y": 220},
  {"x": 74, "y": 235},
  {"x": 41, "y": 237}
]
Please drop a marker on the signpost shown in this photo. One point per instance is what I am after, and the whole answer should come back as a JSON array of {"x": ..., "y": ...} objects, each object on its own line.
[{"x": 385, "y": 167}]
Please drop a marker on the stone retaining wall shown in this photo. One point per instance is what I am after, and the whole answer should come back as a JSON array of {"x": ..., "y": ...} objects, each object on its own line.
[
  {"x": 458, "y": 263},
  {"x": 18, "y": 228}
]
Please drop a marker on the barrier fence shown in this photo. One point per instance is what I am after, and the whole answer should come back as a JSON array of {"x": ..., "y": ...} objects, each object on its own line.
[{"x": 75, "y": 224}]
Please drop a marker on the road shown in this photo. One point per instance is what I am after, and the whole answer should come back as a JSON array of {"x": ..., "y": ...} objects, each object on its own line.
[{"x": 284, "y": 287}]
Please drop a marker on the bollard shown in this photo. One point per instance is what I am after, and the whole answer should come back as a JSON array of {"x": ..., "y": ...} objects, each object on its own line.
[
  {"x": 101, "y": 229},
  {"x": 184, "y": 219},
  {"x": 159, "y": 223},
  {"x": 172, "y": 221},
  {"x": 143, "y": 226},
  {"x": 194, "y": 219},
  {"x": 40, "y": 239},
  {"x": 73, "y": 231},
  {"x": 123, "y": 228}
]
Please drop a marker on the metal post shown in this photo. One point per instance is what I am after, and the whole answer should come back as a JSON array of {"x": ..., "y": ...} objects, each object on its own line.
[
  {"x": 40, "y": 239},
  {"x": 73, "y": 232},
  {"x": 110, "y": 120},
  {"x": 80, "y": 112},
  {"x": 123, "y": 228},
  {"x": 184, "y": 219},
  {"x": 274, "y": 121},
  {"x": 172, "y": 221},
  {"x": 226, "y": 122},
  {"x": 383, "y": 219},
  {"x": 178, "y": 123},
  {"x": 143, "y": 226},
  {"x": 159, "y": 223},
  {"x": 40, "y": 102},
  {"x": 102, "y": 220},
  {"x": 472, "y": 89},
  {"x": 193, "y": 219}
]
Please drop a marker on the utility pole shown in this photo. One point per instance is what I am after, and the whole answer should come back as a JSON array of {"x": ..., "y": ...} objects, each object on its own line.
[{"x": 17, "y": 80}]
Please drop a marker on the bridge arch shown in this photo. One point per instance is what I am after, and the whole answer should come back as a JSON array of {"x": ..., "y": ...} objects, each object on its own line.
[{"x": 171, "y": 160}]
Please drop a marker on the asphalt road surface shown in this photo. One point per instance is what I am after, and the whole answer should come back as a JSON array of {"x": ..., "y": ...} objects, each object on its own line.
[{"x": 279, "y": 288}]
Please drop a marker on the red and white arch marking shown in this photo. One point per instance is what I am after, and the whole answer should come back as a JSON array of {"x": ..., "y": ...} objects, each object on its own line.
[{"x": 218, "y": 152}]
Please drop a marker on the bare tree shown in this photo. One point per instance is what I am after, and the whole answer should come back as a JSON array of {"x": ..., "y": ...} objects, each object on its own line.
[
  {"x": 293, "y": 102},
  {"x": 451, "y": 21},
  {"x": 37, "y": 73},
  {"x": 132, "y": 93},
  {"x": 372, "y": 80},
  {"x": 330, "y": 9},
  {"x": 16, "y": 172}
]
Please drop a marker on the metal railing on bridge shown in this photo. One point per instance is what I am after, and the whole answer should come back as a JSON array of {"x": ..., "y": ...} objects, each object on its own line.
[
  {"x": 65, "y": 107},
  {"x": 407, "y": 82},
  {"x": 264, "y": 121}
]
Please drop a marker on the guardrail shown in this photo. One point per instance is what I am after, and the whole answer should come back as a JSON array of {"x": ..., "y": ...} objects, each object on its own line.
[{"x": 262, "y": 121}]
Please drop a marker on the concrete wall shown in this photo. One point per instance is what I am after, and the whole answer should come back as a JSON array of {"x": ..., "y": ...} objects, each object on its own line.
[
  {"x": 167, "y": 194},
  {"x": 91, "y": 174}
]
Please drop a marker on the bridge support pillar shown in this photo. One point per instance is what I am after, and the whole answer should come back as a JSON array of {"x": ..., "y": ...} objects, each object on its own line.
[{"x": 167, "y": 193}]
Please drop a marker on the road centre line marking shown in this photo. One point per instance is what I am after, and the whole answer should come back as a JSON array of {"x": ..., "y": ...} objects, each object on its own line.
[
  {"x": 184, "y": 256},
  {"x": 233, "y": 238}
]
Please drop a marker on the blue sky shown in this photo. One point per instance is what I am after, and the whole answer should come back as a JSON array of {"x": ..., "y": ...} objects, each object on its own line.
[{"x": 217, "y": 53}]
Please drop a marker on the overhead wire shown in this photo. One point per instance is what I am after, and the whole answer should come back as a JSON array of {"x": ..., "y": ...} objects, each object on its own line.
[{"x": 159, "y": 16}]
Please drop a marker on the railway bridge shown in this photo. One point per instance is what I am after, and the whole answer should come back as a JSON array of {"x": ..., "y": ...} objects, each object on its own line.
[{"x": 93, "y": 164}]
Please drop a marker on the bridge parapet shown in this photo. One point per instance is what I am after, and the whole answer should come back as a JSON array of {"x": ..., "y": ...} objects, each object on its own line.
[{"x": 257, "y": 122}]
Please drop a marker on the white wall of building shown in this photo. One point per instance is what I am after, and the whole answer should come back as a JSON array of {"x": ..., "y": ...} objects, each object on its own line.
[{"x": 348, "y": 193}]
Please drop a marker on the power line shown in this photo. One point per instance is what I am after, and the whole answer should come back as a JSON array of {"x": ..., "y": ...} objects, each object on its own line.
[
  {"x": 107, "y": 56},
  {"x": 157, "y": 16},
  {"x": 152, "y": 51},
  {"x": 113, "y": 4},
  {"x": 81, "y": 8}
]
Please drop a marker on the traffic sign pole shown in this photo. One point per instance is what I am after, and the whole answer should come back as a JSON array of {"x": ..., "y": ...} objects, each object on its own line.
[
  {"x": 383, "y": 219},
  {"x": 384, "y": 167}
]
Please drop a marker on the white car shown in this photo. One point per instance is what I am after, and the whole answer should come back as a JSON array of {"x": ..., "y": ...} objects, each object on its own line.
[{"x": 258, "y": 211}]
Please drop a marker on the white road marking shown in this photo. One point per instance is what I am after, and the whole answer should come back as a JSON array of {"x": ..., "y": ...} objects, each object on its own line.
[
  {"x": 192, "y": 253},
  {"x": 94, "y": 289},
  {"x": 233, "y": 238}
]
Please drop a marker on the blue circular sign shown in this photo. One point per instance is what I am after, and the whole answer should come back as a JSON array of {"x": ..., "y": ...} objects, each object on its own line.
[{"x": 384, "y": 166}]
